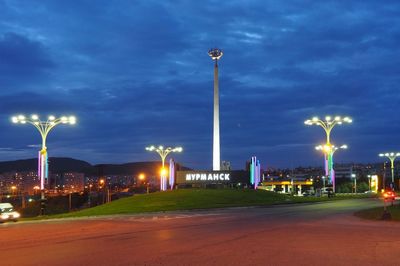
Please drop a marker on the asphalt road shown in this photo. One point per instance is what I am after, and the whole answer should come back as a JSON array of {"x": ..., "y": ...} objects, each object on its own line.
[{"x": 304, "y": 234}]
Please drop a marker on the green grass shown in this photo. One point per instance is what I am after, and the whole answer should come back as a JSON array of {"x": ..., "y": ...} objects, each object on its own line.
[
  {"x": 188, "y": 199},
  {"x": 376, "y": 213}
]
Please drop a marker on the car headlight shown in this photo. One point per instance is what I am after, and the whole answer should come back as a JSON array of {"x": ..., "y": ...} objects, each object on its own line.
[
  {"x": 16, "y": 215},
  {"x": 4, "y": 216}
]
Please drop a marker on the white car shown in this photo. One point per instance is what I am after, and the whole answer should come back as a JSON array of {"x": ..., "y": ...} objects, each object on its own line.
[
  {"x": 7, "y": 213},
  {"x": 326, "y": 190}
]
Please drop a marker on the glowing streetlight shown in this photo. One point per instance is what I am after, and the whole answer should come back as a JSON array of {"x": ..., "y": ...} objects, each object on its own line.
[
  {"x": 163, "y": 172},
  {"x": 44, "y": 127},
  {"x": 13, "y": 189},
  {"x": 328, "y": 124},
  {"x": 354, "y": 176},
  {"x": 142, "y": 176},
  {"x": 163, "y": 152},
  {"x": 329, "y": 148},
  {"x": 391, "y": 156}
]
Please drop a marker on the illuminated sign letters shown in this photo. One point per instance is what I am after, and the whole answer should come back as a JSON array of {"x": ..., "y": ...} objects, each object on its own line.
[
  {"x": 208, "y": 177},
  {"x": 204, "y": 177}
]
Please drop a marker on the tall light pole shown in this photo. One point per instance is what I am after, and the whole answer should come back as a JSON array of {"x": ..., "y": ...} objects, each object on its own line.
[
  {"x": 355, "y": 182},
  {"x": 44, "y": 127},
  {"x": 328, "y": 124},
  {"x": 392, "y": 156},
  {"x": 142, "y": 178},
  {"x": 163, "y": 152},
  {"x": 215, "y": 55}
]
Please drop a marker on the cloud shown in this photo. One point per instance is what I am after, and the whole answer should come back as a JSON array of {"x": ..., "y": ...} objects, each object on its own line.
[{"x": 21, "y": 59}]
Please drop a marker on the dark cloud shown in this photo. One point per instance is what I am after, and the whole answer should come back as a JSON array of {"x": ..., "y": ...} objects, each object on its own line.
[{"x": 22, "y": 60}]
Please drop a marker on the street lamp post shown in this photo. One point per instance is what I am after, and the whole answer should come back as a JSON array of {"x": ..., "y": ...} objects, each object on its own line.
[
  {"x": 89, "y": 195},
  {"x": 328, "y": 124},
  {"x": 13, "y": 189},
  {"x": 392, "y": 157},
  {"x": 142, "y": 178},
  {"x": 102, "y": 187},
  {"x": 44, "y": 127},
  {"x": 354, "y": 176},
  {"x": 163, "y": 152}
]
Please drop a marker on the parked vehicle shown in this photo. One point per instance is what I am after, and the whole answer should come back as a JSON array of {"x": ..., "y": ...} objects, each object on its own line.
[
  {"x": 7, "y": 213},
  {"x": 327, "y": 190}
]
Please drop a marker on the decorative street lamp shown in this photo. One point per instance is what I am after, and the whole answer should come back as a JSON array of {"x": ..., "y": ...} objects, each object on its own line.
[
  {"x": 328, "y": 124},
  {"x": 392, "y": 156},
  {"x": 44, "y": 127},
  {"x": 163, "y": 152}
]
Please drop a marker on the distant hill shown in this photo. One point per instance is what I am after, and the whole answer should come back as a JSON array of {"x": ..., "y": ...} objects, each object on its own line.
[
  {"x": 56, "y": 165},
  {"x": 150, "y": 168},
  {"x": 62, "y": 165}
]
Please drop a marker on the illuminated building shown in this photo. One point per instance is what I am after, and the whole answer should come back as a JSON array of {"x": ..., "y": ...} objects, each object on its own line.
[{"x": 74, "y": 182}]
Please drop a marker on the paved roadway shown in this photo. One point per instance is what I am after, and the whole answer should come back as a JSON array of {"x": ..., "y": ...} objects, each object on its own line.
[{"x": 305, "y": 234}]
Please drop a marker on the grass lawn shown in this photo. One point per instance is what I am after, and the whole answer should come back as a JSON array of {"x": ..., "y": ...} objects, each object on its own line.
[
  {"x": 187, "y": 199},
  {"x": 376, "y": 213}
]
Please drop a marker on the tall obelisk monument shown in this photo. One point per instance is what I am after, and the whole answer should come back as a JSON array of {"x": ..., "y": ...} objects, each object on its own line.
[{"x": 215, "y": 55}]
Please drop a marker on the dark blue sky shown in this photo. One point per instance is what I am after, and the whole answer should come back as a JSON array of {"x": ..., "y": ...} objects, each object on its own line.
[{"x": 137, "y": 73}]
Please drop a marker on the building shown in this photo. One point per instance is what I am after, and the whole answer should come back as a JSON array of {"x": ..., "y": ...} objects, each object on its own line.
[
  {"x": 74, "y": 182},
  {"x": 225, "y": 166},
  {"x": 26, "y": 182},
  {"x": 343, "y": 171}
]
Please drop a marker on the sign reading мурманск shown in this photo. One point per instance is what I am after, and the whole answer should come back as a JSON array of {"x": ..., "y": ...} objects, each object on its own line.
[{"x": 209, "y": 177}]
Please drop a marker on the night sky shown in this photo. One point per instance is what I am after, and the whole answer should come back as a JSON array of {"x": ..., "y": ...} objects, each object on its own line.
[{"x": 137, "y": 73}]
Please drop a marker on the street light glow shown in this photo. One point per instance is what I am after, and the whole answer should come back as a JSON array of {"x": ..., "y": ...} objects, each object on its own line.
[
  {"x": 327, "y": 149},
  {"x": 141, "y": 176},
  {"x": 328, "y": 124},
  {"x": 163, "y": 172},
  {"x": 163, "y": 154}
]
